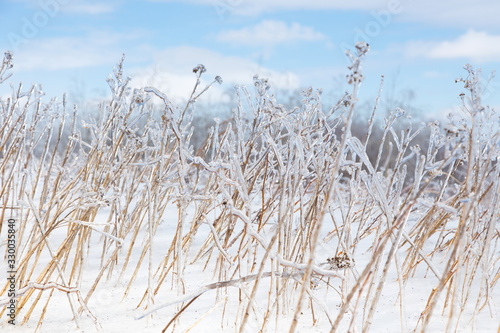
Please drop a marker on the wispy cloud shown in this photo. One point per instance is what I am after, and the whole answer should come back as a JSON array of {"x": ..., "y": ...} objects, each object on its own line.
[
  {"x": 73, "y": 6},
  {"x": 98, "y": 48},
  {"x": 88, "y": 8},
  {"x": 270, "y": 33},
  {"x": 474, "y": 45},
  {"x": 458, "y": 13},
  {"x": 256, "y": 7},
  {"x": 172, "y": 72}
]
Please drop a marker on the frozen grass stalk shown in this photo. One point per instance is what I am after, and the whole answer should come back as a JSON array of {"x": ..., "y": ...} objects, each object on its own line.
[{"x": 292, "y": 217}]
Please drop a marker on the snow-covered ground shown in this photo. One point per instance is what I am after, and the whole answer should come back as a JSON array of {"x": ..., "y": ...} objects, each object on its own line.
[{"x": 221, "y": 310}]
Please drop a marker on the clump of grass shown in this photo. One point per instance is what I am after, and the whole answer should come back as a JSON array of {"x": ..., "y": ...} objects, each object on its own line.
[{"x": 284, "y": 205}]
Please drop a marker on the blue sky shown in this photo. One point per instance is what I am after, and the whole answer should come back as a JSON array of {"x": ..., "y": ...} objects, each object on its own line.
[{"x": 419, "y": 46}]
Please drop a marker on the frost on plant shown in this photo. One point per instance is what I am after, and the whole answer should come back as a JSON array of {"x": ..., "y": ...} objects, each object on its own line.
[{"x": 237, "y": 229}]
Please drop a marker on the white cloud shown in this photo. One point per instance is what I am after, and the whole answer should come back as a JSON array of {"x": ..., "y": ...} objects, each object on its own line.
[
  {"x": 473, "y": 45},
  {"x": 70, "y": 52},
  {"x": 256, "y": 7},
  {"x": 71, "y": 6},
  {"x": 479, "y": 13},
  {"x": 172, "y": 73},
  {"x": 270, "y": 33},
  {"x": 88, "y": 8},
  {"x": 261, "y": 6},
  {"x": 459, "y": 13},
  {"x": 58, "y": 54}
]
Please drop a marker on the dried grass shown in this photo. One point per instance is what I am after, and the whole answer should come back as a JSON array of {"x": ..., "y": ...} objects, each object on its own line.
[{"x": 269, "y": 187}]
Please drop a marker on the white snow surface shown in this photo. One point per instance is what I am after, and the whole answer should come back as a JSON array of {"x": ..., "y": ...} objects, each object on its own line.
[{"x": 216, "y": 309}]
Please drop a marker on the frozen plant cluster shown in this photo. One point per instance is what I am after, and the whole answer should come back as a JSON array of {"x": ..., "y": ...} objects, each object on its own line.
[{"x": 280, "y": 207}]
